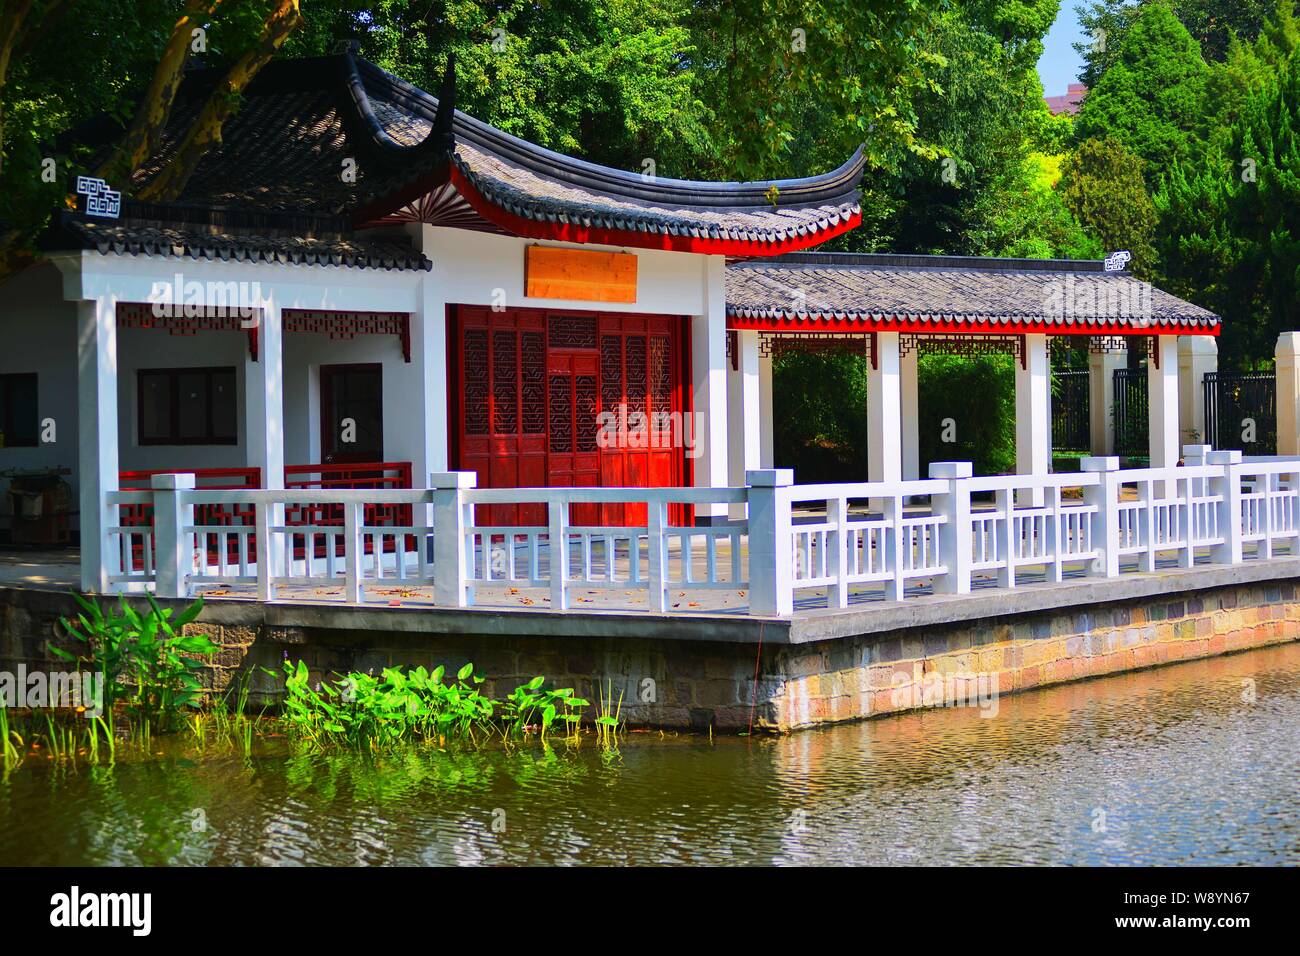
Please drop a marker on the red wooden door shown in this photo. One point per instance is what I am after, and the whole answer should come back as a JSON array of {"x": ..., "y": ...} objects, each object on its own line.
[
  {"x": 502, "y": 435},
  {"x": 638, "y": 362},
  {"x": 532, "y": 387}
]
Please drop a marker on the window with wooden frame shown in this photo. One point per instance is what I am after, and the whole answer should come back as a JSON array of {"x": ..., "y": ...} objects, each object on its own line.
[
  {"x": 19, "y": 420},
  {"x": 187, "y": 406}
]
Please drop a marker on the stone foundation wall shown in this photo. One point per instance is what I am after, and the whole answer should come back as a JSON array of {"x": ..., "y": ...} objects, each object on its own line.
[
  {"x": 890, "y": 673},
  {"x": 698, "y": 684}
]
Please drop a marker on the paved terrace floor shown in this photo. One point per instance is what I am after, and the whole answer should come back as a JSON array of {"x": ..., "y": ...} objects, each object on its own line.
[{"x": 868, "y": 610}]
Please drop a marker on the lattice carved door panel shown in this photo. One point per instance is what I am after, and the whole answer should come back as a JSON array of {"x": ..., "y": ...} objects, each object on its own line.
[{"x": 533, "y": 387}]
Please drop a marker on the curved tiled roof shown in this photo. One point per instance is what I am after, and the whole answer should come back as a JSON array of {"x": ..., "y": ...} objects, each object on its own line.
[
  {"x": 301, "y": 121},
  {"x": 538, "y": 185},
  {"x": 863, "y": 292}
]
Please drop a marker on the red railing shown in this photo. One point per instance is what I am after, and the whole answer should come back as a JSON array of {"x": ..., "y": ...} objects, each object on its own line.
[
  {"x": 136, "y": 516},
  {"x": 388, "y": 474}
]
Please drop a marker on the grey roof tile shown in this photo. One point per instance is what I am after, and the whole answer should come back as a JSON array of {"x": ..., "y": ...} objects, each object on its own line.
[{"x": 875, "y": 289}]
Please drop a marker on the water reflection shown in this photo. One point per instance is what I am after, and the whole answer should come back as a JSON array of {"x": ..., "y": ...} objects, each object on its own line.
[{"x": 1195, "y": 763}]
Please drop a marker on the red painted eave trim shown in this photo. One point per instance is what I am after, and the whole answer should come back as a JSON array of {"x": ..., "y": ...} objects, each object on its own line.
[
  {"x": 820, "y": 324},
  {"x": 569, "y": 232}
]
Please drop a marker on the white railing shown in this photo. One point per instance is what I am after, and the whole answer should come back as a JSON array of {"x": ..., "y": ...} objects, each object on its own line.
[
  {"x": 655, "y": 556},
  {"x": 811, "y": 543}
]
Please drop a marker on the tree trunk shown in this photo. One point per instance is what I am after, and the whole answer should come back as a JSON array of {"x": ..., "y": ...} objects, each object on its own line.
[
  {"x": 144, "y": 135},
  {"x": 205, "y": 131}
]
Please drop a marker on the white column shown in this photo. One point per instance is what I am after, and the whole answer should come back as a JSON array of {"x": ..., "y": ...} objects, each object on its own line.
[
  {"x": 911, "y": 415},
  {"x": 1287, "y": 355},
  {"x": 415, "y": 392},
  {"x": 766, "y": 442},
  {"x": 1034, "y": 415},
  {"x": 264, "y": 428},
  {"x": 884, "y": 412},
  {"x": 1101, "y": 399},
  {"x": 1162, "y": 404},
  {"x": 1197, "y": 354},
  {"x": 264, "y": 398},
  {"x": 97, "y": 438},
  {"x": 431, "y": 348},
  {"x": 709, "y": 390},
  {"x": 743, "y": 413}
]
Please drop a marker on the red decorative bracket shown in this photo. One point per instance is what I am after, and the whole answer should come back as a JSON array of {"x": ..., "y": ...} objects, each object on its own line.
[
  {"x": 348, "y": 325},
  {"x": 141, "y": 315}
]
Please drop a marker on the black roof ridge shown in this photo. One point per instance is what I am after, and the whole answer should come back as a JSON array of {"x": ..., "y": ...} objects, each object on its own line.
[
  {"x": 941, "y": 263},
  {"x": 836, "y": 186}
]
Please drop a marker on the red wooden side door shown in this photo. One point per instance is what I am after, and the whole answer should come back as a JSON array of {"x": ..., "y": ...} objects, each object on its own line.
[
  {"x": 531, "y": 387},
  {"x": 502, "y": 427}
]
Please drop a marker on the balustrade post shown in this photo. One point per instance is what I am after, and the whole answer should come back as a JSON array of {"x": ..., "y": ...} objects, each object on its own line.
[
  {"x": 955, "y": 544},
  {"x": 268, "y": 555},
  {"x": 1104, "y": 497},
  {"x": 837, "y": 514},
  {"x": 1193, "y": 456},
  {"x": 452, "y": 517},
  {"x": 897, "y": 545},
  {"x": 1187, "y": 554},
  {"x": 353, "y": 552},
  {"x": 1004, "y": 500},
  {"x": 657, "y": 554},
  {"x": 771, "y": 542},
  {"x": 1228, "y": 490},
  {"x": 557, "y": 513},
  {"x": 173, "y": 548}
]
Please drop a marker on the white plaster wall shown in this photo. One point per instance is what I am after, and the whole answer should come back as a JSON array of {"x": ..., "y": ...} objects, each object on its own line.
[
  {"x": 305, "y": 353},
  {"x": 156, "y": 348},
  {"x": 38, "y": 330},
  {"x": 470, "y": 266}
]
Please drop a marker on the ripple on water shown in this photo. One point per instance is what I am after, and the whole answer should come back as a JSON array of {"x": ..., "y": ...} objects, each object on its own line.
[{"x": 1169, "y": 766}]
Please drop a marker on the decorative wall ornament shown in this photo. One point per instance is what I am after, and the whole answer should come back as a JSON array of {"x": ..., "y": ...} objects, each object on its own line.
[
  {"x": 777, "y": 343},
  {"x": 1118, "y": 261},
  {"x": 143, "y": 315},
  {"x": 1094, "y": 344},
  {"x": 348, "y": 325},
  {"x": 943, "y": 343},
  {"x": 100, "y": 200}
]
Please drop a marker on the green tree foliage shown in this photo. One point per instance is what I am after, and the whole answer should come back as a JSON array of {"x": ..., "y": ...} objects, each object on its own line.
[
  {"x": 1102, "y": 184},
  {"x": 612, "y": 82},
  {"x": 1212, "y": 23},
  {"x": 704, "y": 88},
  {"x": 820, "y": 415},
  {"x": 982, "y": 193},
  {"x": 1231, "y": 235},
  {"x": 1152, "y": 97},
  {"x": 968, "y": 411},
  {"x": 70, "y": 62}
]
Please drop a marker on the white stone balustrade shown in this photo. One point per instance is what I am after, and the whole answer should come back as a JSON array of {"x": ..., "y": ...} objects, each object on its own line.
[{"x": 797, "y": 546}]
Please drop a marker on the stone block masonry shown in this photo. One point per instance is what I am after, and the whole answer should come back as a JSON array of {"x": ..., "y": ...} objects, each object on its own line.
[
  {"x": 696, "y": 673},
  {"x": 836, "y": 680}
]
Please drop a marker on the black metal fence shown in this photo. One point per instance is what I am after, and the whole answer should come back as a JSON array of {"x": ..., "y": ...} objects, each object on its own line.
[
  {"x": 1132, "y": 427},
  {"x": 1070, "y": 410},
  {"x": 1241, "y": 411}
]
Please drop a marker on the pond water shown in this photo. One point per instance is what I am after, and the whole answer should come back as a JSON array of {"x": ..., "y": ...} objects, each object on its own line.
[{"x": 1196, "y": 763}]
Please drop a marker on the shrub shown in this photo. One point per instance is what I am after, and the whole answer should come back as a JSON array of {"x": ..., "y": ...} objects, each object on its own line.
[{"x": 144, "y": 658}]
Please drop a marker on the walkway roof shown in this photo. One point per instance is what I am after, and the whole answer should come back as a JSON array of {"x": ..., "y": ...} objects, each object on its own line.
[{"x": 851, "y": 292}]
